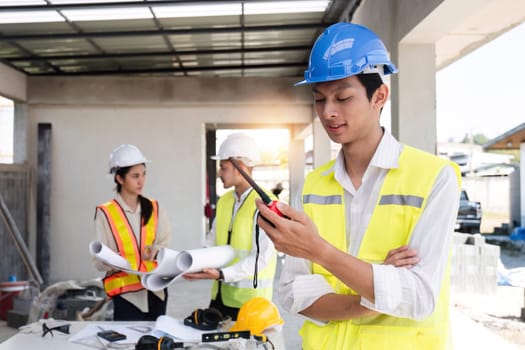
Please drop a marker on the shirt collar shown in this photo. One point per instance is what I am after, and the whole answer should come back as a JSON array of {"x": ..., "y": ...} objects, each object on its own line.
[
  {"x": 386, "y": 156},
  {"x": 387, "y": 152},
  {"x": 243, "y": 195},
  {"x": 126, "y": 207}
]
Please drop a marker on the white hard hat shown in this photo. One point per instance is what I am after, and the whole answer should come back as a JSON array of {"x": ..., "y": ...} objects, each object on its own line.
[
  {"x": 125, "y": 155},
  {"x": 240, "y": 146}
]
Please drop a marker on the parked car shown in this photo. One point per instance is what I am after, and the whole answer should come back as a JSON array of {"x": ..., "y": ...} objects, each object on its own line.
[{"x": 469, "y": 215}]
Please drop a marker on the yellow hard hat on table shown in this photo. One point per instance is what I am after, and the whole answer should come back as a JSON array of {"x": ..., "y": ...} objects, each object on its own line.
[{"x": 257, "y": 315}]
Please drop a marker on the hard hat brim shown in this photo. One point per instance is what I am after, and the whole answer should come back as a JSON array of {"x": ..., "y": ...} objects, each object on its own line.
[
  {"x": 388, "y": 68},
  {"x": 248, "y": 162}
]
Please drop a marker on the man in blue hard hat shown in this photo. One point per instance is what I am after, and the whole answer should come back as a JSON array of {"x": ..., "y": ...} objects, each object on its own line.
[{"x": 376, "y": 199}]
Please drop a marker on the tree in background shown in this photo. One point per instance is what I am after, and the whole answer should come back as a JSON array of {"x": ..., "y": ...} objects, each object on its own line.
[
  {"x": 477, "y": 139},
  {"x": 481, "y": 139}
]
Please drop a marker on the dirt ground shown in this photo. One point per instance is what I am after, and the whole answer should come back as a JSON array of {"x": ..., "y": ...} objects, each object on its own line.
[{"x": 500, "y": 312}]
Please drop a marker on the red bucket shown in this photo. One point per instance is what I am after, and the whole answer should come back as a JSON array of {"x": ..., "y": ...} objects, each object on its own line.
[{"x": 8, "y": 290}]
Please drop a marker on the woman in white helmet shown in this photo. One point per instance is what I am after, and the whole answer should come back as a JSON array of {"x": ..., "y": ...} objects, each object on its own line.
[{"x": 135, "y": 227}]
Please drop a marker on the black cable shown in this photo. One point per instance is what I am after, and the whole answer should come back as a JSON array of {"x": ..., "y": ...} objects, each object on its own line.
[
  {"x": 149, "y": 342},
  {"x": 256, "y": 269}
]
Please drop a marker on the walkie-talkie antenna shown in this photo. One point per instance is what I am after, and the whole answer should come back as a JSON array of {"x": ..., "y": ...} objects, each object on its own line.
[
  {"x": 265, "y": 198},
  {"x": 272, "y": 204}
]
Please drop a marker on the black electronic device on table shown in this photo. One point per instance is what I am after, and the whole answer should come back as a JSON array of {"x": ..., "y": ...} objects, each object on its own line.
[{"x": 111, "y": 335}]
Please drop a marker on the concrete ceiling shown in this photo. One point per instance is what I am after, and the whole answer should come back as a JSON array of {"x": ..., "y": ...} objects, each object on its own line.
[
  {"x": 458, "y": 27},
  {"x": 159, "y": 41},
  {"x": 270, "y": 46}
]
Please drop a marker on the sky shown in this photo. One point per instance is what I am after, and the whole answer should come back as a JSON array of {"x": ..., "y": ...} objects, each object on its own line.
[{"x": 484, "y": 92}]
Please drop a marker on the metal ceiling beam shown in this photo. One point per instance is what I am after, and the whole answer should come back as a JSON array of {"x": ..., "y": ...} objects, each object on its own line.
[
  {"x": 341, "y": 8},
  {"x": 178, "y": 70},
  {"x": 30, "y": 53},
  {"x": 165, "y": 38},
  {"x": 94, "y": 35},
  {"x": 77, "y": 29},
  {"x": 105, "y": 5},
  {"x": 33, "y": 58}
]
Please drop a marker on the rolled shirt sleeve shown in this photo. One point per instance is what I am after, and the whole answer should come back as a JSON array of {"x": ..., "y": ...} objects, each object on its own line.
[
  {"x": 298, "y": 288},
  {"x": 163, "y": 236},
  {"x": 102, "y": 234}
]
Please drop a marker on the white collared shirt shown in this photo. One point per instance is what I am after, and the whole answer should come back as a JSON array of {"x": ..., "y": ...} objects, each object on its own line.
[{"x": 400, "y": 292}]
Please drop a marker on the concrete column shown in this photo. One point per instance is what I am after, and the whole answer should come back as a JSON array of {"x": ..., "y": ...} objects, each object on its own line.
[
  {"x": 43, "y": 203},
  {"x": 13, "y": 84},
  {"x": 296, "y": 156},
  {"x": 20, "y": 133},
  {"x": 414, "y": 103},
  {"x": 522, "y": 184}
]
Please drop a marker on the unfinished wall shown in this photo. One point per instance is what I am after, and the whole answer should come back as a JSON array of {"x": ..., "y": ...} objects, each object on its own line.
[
  {"x": 166, "y": 119},
  {"x": 13, "y": 84}
]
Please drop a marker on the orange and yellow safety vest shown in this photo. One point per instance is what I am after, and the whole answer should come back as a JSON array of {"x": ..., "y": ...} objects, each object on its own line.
[{"x": 123, "y": 282}]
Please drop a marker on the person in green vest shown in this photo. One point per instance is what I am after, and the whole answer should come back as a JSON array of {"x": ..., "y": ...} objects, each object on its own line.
[
  {"x": 376, "y": 196},
  {"x": 252, "y": 271}
]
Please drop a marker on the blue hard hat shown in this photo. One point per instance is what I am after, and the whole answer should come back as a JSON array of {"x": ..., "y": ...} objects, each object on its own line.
[{"x": 346, "y": 49}]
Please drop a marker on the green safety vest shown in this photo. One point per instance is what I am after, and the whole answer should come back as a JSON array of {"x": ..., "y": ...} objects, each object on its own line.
[
  {"x": 402, "y": 199},
  {"x": 234, "y": 294}
]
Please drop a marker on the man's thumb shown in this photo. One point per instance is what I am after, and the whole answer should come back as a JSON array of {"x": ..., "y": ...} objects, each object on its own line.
[{"x": 283, "y": 208}]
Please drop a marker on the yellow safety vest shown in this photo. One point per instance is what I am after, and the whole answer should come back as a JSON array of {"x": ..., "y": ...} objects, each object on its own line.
[
  {"x": 234, "y": 294},
  {"x": 402, "y": 199},
  {"x": 123, "y": 282}
]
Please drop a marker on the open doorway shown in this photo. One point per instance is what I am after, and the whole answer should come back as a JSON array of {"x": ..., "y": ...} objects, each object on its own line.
[
  {"x": 272, "y": 173},
  {"x": 7, "y": 116}
]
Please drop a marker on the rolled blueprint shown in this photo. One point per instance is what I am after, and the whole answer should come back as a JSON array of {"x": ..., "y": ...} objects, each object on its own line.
[
  {"x": 166, "y": 262},
  {"x": 100, "y": 251},
  {"x": 187, "y": 261},
  {"x": 171, "y": 264}
]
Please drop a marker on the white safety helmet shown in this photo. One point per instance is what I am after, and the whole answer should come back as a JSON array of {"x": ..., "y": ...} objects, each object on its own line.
[
  {"x": 239, "y": 146},
  {"x": 125, "y": 155}
]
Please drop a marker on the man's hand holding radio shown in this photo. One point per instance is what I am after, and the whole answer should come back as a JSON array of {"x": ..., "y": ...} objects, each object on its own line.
[{"x": 294, "y": 234}]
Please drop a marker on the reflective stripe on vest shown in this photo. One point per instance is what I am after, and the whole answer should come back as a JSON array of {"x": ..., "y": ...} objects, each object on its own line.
[
  {"x": 316, "y": 199},
  {"x": 401, "y": 201},
  {"x": 237, "y": 293},
  {"x": 122, "y": 282}
]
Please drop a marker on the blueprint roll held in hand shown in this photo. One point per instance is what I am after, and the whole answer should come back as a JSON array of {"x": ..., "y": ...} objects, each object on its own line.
[{"x": 171, "y": 264}]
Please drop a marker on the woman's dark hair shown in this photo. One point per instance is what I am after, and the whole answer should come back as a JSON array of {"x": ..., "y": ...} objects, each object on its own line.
[
  {"x": 146, "y": 208},
  {"x": 371, "y": 82}
]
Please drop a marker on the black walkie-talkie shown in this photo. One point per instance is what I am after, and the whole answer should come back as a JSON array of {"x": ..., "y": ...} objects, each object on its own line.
[{"x": 272, "y": 204}]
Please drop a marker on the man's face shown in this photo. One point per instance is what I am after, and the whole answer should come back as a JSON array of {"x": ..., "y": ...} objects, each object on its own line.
[
  {"x": 227, "y": 173},
  {"x": 345, "y": 111}
]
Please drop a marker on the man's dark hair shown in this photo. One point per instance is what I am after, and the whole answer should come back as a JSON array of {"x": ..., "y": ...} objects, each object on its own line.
[{"x": 371, "y": 82}]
